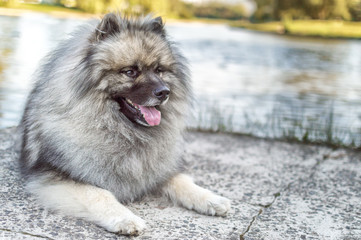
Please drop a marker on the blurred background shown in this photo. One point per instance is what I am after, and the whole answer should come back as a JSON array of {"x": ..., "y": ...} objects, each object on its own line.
[{"x": 283, "y": 69}]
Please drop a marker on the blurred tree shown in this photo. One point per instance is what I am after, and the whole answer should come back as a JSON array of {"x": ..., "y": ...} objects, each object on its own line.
[
  {"x": 340, "y": 10},
  {"x": 284, "y": 8},
  {"x": 354, "y": 7},
  {"x": 173, "y": 8},
  {"x": 9, "y": 3},
  {"x": 317, "y": 9},
  {"x": 181, "y": 9},
  {"x": 264, "y": 10},
  {"x": 217, "y": 9},
  {"x": 90, "y": 6},
  {"x": 303, "y": 9}
]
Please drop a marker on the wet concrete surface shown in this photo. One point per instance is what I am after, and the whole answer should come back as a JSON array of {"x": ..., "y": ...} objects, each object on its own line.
[{"x": 278, "y": 190}]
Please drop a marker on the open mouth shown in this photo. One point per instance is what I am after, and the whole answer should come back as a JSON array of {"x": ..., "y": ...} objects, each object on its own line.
[{"x": 143, "y": 115}]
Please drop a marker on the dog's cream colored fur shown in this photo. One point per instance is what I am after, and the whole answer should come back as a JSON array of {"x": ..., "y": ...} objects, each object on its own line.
[
  {"x": 182, "y": 190},
  {"x": 101, "y": 207},
  {"x": 89, "y": 202}
]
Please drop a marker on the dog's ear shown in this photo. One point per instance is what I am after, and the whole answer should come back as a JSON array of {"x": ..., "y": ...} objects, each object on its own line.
[
  {"x": 157, "y": 26},
  {"x": 108, "y": 26}
]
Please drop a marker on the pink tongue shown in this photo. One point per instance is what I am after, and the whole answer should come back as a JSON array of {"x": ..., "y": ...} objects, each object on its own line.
[{"x": 151, "y": 115}]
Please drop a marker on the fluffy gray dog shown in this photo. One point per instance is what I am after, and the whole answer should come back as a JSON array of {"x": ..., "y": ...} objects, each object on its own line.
[{"x": 103, "y": 125}]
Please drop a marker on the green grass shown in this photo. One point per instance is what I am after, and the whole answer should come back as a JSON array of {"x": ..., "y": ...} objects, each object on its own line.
[
  {"x": 315, "y": 28},
  {"x": 276, "y": 27},
  {"x": 333, "y": 29}
]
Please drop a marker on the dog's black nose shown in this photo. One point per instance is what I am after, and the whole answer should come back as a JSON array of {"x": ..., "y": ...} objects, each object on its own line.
[{"x": 161, "y": 93}]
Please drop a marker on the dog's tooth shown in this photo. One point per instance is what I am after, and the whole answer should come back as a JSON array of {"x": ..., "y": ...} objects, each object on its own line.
[{"x": 130, "y": 102}]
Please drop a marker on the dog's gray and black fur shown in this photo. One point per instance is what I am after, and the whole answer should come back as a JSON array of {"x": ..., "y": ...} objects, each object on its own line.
[{"x": 86, "y": 142}]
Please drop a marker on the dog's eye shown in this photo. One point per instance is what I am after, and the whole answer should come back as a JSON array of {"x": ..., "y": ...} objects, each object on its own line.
[
  {"x": 133, "y": 73},
  {"x": 159, "y": 70}
]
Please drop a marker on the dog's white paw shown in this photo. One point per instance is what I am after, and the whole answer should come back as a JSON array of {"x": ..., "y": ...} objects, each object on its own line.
[
  {"x": 126, "y": 225},
  {"x": 212, "y": 204}
]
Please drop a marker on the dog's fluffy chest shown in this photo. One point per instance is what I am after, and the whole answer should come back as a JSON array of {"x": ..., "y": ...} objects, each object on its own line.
[{"x": 130, "y": 170}]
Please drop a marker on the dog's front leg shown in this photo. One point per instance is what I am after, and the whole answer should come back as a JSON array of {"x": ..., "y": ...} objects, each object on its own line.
[
  {"x": 182, "y": 190},
  {"x": 89, "y": 202}
]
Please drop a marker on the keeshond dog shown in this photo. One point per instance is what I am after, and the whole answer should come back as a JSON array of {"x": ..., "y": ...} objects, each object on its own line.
[{"x": 104, "y": 123}]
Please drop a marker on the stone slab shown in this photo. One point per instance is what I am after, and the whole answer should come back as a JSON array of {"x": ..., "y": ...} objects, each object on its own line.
[{"x": 278, "y": 190}]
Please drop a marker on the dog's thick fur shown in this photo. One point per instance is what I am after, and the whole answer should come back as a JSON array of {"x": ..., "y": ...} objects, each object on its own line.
[{"x": 82, "y": 153}]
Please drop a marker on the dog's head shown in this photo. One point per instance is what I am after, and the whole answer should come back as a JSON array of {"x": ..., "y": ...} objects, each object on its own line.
[{"x": 137, "y": 67}]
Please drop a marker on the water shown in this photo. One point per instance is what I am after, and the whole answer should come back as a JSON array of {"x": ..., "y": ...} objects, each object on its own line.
[{"x": 246, "y": 82}]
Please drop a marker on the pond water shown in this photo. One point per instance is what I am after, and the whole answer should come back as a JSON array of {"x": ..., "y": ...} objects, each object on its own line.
[{"x": 245, "y": 82}]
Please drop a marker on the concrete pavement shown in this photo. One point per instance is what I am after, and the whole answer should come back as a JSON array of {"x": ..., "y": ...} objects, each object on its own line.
[{"x": 278, "y": 190}]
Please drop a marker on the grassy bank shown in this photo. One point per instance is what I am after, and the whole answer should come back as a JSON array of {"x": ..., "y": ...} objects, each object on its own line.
[{"x": 314, "y": 28}]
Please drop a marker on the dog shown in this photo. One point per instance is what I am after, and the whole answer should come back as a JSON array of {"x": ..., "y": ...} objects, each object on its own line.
[{"x": 103, "y": 125}]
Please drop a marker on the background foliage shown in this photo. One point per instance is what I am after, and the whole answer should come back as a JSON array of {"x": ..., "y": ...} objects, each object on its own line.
[
  {"x": 169, "y": 8},
  {"x": 268, "y": 10}
]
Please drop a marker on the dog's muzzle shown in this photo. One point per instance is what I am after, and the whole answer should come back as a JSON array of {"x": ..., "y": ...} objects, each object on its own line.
[{"x": 147, "y": 114}]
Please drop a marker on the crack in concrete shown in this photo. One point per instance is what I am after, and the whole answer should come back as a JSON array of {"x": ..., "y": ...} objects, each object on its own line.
[
  {"x": 260, "y": 211},
  {"x": 241, "y": 237},
  {"x": 26, "y": 233},
  {"x": 278, "y": 194}
]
